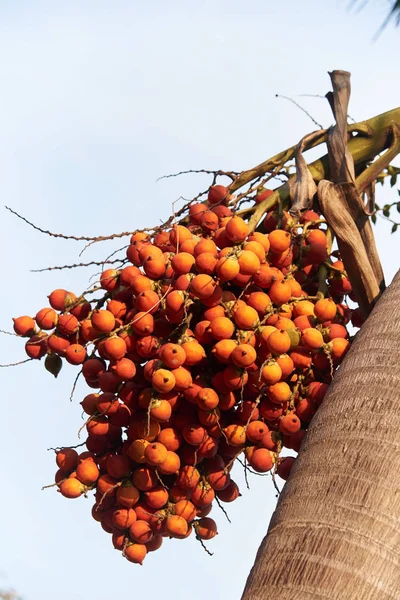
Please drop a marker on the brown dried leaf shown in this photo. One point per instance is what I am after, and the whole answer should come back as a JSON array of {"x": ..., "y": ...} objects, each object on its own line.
[
  {"x": 369, "y": 192},
  {"x": 356, "y": 209},
  {"x": 302, "y": 186},
  {"x": 343, "y": 207},
  {"x": 340, "y": 160},
  {"x": 335, "y": 201}
]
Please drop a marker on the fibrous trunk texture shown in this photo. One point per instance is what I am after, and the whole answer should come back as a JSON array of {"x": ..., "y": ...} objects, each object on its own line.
[{"x": 335, "y": 533}]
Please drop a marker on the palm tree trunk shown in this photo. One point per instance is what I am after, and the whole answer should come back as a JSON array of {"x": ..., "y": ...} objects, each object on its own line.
[{"x": 336, "y": 529}]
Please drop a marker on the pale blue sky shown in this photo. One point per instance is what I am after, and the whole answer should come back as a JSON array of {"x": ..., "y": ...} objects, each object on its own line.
[{"x": 97, "y": 100}]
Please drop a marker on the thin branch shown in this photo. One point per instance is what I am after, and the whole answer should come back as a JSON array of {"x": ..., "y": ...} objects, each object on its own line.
[
  {"x": 230, "y": 174},
  {"x": 301, "y": 108},
  {"x": 21, "y": 362},
  {"x": 50, "y": 233},
  {"x": 246, "y": 468},
  {"x": 311, "y": 96},
  {"x": 74, "y": 386},
  {"x": 252, "y": 471},
  {"x": 109, "y": 256},
  {"x": 274, "y": 482},
  {"x": 89, "y": 264},
  {"x": 323, "y": 98},
  {"x": 58, "y": 448},
  {"x": 83, "y": 238},
  {"x": 387, "y": 218},
  {"x": 222, "y": 508},
  {"x": 198, "y": 538}
]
